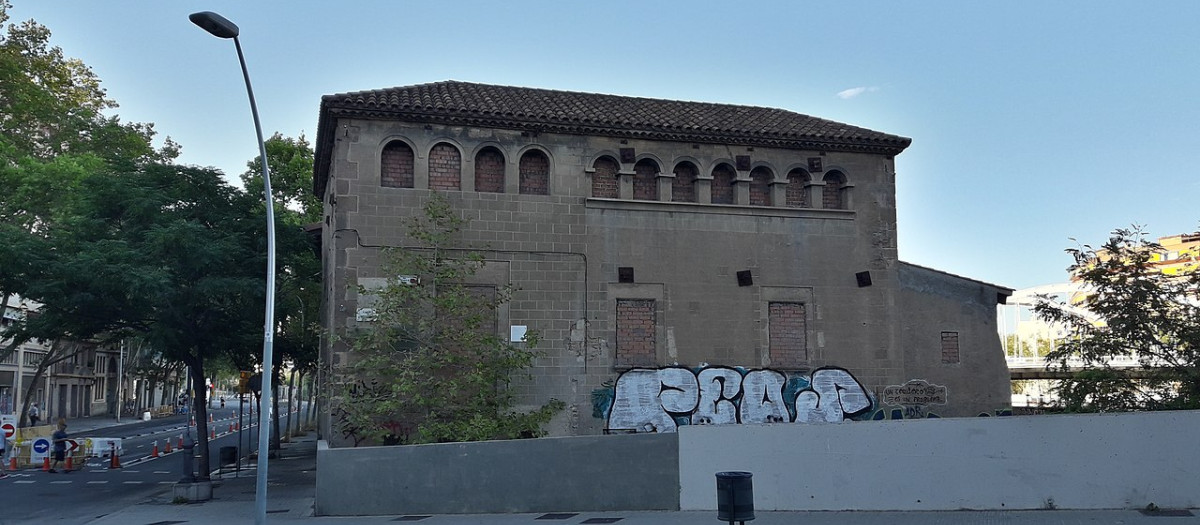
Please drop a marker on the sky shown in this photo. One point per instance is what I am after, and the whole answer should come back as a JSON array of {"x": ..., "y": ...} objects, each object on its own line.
[{"x": 1037, "y": 126}]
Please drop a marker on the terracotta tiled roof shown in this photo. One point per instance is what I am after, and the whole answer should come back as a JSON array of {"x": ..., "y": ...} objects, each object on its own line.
[{"x": 550, "y": 111}]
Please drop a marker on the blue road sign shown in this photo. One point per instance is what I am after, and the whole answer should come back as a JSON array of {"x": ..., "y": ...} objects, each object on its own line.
[{"x": 41, "y": 445}]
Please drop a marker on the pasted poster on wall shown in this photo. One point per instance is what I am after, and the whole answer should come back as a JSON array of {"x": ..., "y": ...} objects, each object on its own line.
[{"x": 661, "y": 399}]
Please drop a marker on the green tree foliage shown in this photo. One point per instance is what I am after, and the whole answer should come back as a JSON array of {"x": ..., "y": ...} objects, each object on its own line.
[
  {"x": 52, "y": 105},
  {"x": 431, "y": 366},
  {"x": 1146, "y": 314}
]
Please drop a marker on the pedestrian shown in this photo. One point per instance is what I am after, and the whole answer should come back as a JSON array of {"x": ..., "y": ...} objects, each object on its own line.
[
  {"x": 60, "y": 445},
  {"x": 3, "y": 457},
  {"x": 34, "y": 415},
  {"x": 222, "y": 401}
]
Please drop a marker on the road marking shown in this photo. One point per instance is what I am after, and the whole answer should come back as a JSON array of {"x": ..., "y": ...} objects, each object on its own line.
[
  {"x": 132, "y": 482},
  {"x": 162, "y": 472},
  {"x": 166, "y": 483},
  {"x": 60, "y": 482},
  {"x": 24, "y": 481},
  {"x": 97, "y": 482}
]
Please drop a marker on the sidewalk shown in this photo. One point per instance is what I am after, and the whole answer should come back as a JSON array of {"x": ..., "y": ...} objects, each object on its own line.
[{"x": 292, "y": 487}]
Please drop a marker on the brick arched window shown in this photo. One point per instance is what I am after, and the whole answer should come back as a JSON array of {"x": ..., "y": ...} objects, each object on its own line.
[
  {"x": 535, "y": 173},
  {"x": 445, "y": 167},
  {"x": 832, "y": 196},
  {"x": 604, "y": 178},
  {"x": 645, "y": 180},
  {"x": 683, "y": 188},
  {"x": 722, "y": 184},
  {"x": 797, "y": 189},
  {"x": 489, "y": 170},
  {"x": 760, "y": 186},
  {"x": 396, "y": 165}
]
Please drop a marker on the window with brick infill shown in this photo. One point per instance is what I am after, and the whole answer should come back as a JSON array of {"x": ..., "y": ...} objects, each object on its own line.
[
  {"x": 950, "y": 353},
  {"x": 445, "y": 168},
  {"x": 645, "y": 180},
  {"x": 832, "y": 197},
  {"x": 787, "y": 327},
  {"x": 396, "y": 166},
  {"x": 489, "y": 171},
  {"x": 683, "y": 188},
  {"x": 604, "y": 178},
  {"x": 797, "y": 189},
  {"x": 535, "y": 173},
  {"x": 760, "y": 186},
  {"x": 635, "y": 333},
  {"x": 722, "y": 184}
]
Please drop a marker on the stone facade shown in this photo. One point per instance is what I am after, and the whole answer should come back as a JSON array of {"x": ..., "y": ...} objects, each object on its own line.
[{"x": 630, "y": 249}]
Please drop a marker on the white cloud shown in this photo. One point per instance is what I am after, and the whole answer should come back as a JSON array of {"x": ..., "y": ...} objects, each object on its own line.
[{"x": 854, "y": 92}]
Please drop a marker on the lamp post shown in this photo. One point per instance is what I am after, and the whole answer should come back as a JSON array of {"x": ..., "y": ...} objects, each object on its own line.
[{"x": 221, "y": 27}]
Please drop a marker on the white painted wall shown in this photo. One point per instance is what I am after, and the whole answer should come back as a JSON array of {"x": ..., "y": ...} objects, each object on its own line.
[{"x": 1067, "y": 461}]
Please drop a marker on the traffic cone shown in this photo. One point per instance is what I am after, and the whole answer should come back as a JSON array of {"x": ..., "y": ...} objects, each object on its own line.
[
  {"x": 231, "y": 427},
  {"x": 12, "y": 463},
  {"x": 46, "y": 464},
  {"x": 70, "y": 464},
  {"x": 180, "y": 442},
  {"x": 168, "y": 449},
  {"x": 212, "y": 434},
  {"x": 114, "y": 459},
  {"x": 154, "y": 451},
  {"x": 210, "y": 417}
]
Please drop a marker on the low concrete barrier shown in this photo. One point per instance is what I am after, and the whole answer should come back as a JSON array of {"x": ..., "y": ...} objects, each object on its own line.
[
  {"x": 1095, "y": 461},
  {"x": 587, "y": 473}
]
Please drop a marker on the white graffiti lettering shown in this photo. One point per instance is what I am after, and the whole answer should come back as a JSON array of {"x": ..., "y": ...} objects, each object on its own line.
[{"x": 658, "y": 400}]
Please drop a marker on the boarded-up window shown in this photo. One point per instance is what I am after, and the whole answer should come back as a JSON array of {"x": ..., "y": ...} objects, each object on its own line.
[
  {"x": 788, "y": 338},
  {"x": 950, "y": 353},
  {"x": 635, "y": 332}
]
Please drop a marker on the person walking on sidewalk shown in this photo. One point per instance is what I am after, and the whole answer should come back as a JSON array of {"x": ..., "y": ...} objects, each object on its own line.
[
  {"x": 3, "y": 457},
  {"x": 35, "y": 415},
  {"x": 60, "y": 445}
]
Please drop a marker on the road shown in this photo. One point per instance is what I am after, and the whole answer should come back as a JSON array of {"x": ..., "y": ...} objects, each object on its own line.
[{"x": 95, "y": 489}]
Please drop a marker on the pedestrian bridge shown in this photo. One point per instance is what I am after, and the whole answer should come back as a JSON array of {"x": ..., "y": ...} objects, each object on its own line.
[{"x": 1035, "y": 367}]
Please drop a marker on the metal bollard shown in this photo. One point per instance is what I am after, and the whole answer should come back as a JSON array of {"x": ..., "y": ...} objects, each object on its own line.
[
  {"x": 189, "y": 475},
  {"x": 735, "y": 497}
]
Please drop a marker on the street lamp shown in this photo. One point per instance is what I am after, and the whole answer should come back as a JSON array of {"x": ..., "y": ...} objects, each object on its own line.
[{"x": 221, "y": 27}]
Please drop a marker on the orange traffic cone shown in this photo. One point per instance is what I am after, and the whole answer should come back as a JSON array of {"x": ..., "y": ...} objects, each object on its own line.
[
  {"x": 212, "y": 434},
  {"x": 12, "y": 463},
  {"x": 210, "y": 417},
  {"x": 168, "y": 449},
  {"x": 46, "y": 464},
  {"x": 180, "y": 442},
  {"x": 231, "y": 427},
  {"x": 70, "y": 464},
  {"x": 114, "y": 459},
  {"x": 154, "y": 451}
]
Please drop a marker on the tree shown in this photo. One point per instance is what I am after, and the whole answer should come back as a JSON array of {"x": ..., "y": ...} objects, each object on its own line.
[
  {"x": 298, "y": 288},
  {"x": 431, "y": 367},
  {"x": 169, "y": 253},
  {"x": 1144, "y": 313}
]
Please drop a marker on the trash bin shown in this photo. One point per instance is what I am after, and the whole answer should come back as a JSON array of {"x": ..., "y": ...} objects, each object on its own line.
[
  {"x": 735, "y": 496},
  {"x": 227, "y": 455}
]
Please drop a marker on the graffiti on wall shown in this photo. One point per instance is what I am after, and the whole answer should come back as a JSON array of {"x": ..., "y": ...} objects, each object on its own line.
[{"x": 661, "y": 399}]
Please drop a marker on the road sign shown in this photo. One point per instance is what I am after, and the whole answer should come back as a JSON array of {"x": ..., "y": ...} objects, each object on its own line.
[
  {"x": 41, "y": 445},
  {"x": 71, "y": 446},
  {"x": 9, "y": 430}
]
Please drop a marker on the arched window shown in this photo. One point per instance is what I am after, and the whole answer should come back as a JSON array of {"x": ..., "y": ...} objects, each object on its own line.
[
  {"x": 645, "y": 180},
  {"x": 722, "y": 184},
  {"x": 396, "y": 165},
  {"x": 604, "y": 178},
  {"x": 445, "y": 167},
  {"x": 489, "y": 170},
  {"x": 535, "y": 173},
  {"x": 760, "y": 186},
  {"x": 831, "y": 197},
  {"x": 797, "y": 189},
  {"x": 683, "y": 188}
]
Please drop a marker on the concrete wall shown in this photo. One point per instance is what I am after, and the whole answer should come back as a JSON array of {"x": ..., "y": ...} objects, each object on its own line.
[
  {"x": 1069, "y": 462},
  {"x": 592, "y": 473}
]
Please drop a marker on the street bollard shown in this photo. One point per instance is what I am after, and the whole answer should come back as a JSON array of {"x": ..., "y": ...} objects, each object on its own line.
[{"x": 189, "y": 475}]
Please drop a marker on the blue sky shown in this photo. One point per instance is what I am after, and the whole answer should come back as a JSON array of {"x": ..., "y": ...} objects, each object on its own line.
[{"x": 1032, "y": 122}]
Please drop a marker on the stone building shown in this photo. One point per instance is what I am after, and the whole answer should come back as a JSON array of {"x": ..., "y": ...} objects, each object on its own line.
[{"x": 684, "y": 262}]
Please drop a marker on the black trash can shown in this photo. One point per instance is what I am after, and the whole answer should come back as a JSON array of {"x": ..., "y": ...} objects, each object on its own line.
[
  {"x": 735, "y": 496},
  {"x": 227, "y": 455}
]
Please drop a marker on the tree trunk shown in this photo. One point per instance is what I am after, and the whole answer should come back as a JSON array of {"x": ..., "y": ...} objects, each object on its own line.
[
  {"x": 200, "y": 411},
  {"x": 291, "y": 407},
  {"x": 275, "y": 411}
]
